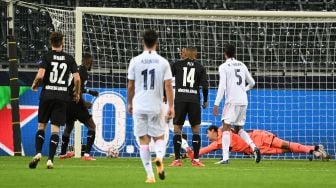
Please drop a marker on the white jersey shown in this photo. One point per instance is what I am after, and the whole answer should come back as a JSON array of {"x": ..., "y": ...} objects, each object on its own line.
[
  {"x": 149, "y": 71},
  {"x": 233, "y": 75}
]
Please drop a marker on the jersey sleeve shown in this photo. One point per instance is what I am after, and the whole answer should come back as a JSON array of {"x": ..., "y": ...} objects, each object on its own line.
[
  {"x": 221, "y": 86},
  {"x": 83, "y": 77},
  {"x": 131, "y": 73},
  {"x": 42, "y": 63},
  {"x": 73, "y": 65},
  {"x": 249, "y": 79},
  {"x": 212, "y": 147},
  {"x": 172, "y": 67},
  {"x": 167, "y": 72},
  {"x": 204, "y": 79}
]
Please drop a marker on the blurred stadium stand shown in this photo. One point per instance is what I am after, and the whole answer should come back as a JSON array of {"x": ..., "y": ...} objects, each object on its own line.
[{"x": 32, "y": 28}]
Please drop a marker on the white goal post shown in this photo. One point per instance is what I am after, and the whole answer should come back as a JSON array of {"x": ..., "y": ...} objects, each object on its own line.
[{"x": 291, "y": 55}]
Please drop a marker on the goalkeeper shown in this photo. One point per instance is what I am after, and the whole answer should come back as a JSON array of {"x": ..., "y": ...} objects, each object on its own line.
[
  {"x": 79, "y": 111},
  {"x": 267, "y": 142}
]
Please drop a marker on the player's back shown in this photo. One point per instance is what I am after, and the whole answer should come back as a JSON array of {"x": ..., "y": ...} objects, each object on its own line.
[
  {"x": 58, "y": 66},
  {"x": 149, "y": 70},
  {"x": 189, "y": 76},
  {"x": 236, "y": 74}
]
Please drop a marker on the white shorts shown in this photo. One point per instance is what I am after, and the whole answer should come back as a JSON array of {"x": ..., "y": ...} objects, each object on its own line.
[
  {"x": 234, "y": 114},
  {"x": 148, "y": 124}
]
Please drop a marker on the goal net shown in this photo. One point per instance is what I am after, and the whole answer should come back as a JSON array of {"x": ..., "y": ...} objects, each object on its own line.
[{"x": 291, "y": 55}]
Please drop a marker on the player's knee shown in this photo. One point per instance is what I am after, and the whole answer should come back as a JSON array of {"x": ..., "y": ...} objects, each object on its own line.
[{"x": 237, "y": 129}]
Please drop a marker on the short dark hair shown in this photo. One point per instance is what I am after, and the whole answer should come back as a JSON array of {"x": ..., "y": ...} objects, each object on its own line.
[
  {"x": 56, "y": 39},
  {"x": 150, "y": 38},
  {"x": 213, "y": 127},
  {"x": 230, "y": 50}
]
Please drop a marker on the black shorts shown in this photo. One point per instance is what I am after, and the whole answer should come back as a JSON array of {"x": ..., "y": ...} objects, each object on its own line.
[
  {"x": 53, "y": 110},
  {"x": 192, "y": 109},
  {"x": 77, "y": 111}
]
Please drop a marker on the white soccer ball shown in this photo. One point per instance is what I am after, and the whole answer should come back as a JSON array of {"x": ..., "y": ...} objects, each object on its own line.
[{"x": 112, "y": 153}]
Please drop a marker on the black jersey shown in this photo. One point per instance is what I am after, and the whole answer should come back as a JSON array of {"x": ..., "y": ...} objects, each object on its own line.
[
  {"x": 83, "y": 74},
  {"x": 189, "y": 76},
  {"x": 58, "y": 67}
]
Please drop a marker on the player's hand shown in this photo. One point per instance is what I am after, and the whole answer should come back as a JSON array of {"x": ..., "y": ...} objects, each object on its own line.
[
  {"x": 34, "y": 87},
  {"x": 205, "y": 105},
  {"x": 76, "y": 98},
  {"x": 170, "y": 113},
  {"x": 94, "y": 93},
  {"x": 130, "y": 109},
  {"x": 88, "y": 105},
  {"x": 215, "y": 110}
]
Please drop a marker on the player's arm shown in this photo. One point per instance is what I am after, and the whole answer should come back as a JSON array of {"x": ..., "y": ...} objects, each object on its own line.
[
  {"x": 212, "y": 147},
  {"x": 249, "y": 79},
  {"x": 40, "y": 73},
  {"x": 83, "y": 76},
  {"x": 169, "y": 91},
  {"x": 130, "y": 87},
  {"x": 221, "y": 89},
  {"x": 205, "y": 87},
  {"x": 130, "y": 95},
  {"x": 76, "y": 78},
  {"x": 77, "y": 84},
  {"x": 39, "y": 76}
]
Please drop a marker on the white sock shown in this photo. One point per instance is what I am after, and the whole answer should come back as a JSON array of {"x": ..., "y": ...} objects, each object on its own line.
[
  {"x": 246, "y": 137},
  {"x": 146, "y": 160},
  {"x": 160, "y": 149},
  {"x": 226, "y": 139}
]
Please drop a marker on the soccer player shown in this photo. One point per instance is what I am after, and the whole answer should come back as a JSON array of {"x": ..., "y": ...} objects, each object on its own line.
[
  {"x": 54, "y": 71},
  {"x": 267, "y": 142},
  {"x": 148, "y": 73},
  {"x": 233, "y": 74},
  {"x": 79, "y": 111},
  {"x": 189, "y": 76}
]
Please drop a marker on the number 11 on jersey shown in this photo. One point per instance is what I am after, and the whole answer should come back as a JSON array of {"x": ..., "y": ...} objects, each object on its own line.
[{"x": 152, "y": 79}]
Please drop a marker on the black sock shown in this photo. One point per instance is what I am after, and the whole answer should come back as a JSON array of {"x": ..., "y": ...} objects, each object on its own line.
[
  {"x": 39, "y": 140},
  {"x": 65, "y": 143},
  {"x": 91, "y": 135},
  {"x": 196, "y": 142},
  {"x": 177, "y": 140},
  {"x": 54, "y": 139}
]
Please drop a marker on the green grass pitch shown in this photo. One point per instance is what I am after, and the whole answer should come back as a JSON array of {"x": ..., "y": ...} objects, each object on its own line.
[{"x": 125, "y": 172}]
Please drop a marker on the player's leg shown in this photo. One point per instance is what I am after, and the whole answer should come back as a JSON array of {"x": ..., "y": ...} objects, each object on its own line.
[
  {"x": 180, "y": 114},
  {"x": 57, "y": 118},
  {"x": 70, "y": 121},
  {"x": 286, "y": 146},
  {"x": 85, "y": 117},
  {"x": 91, "y": 135},
  {"x": 140, "y": 130},
  {"x": 65, "y": 140},
  {"x": 43, "y": 117},
  {"x": 156, "y": 130},
  {"x": 194, "y": 114},
  {"x": 240, "y": 112},
  {"x": 227, "y": 115}
]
